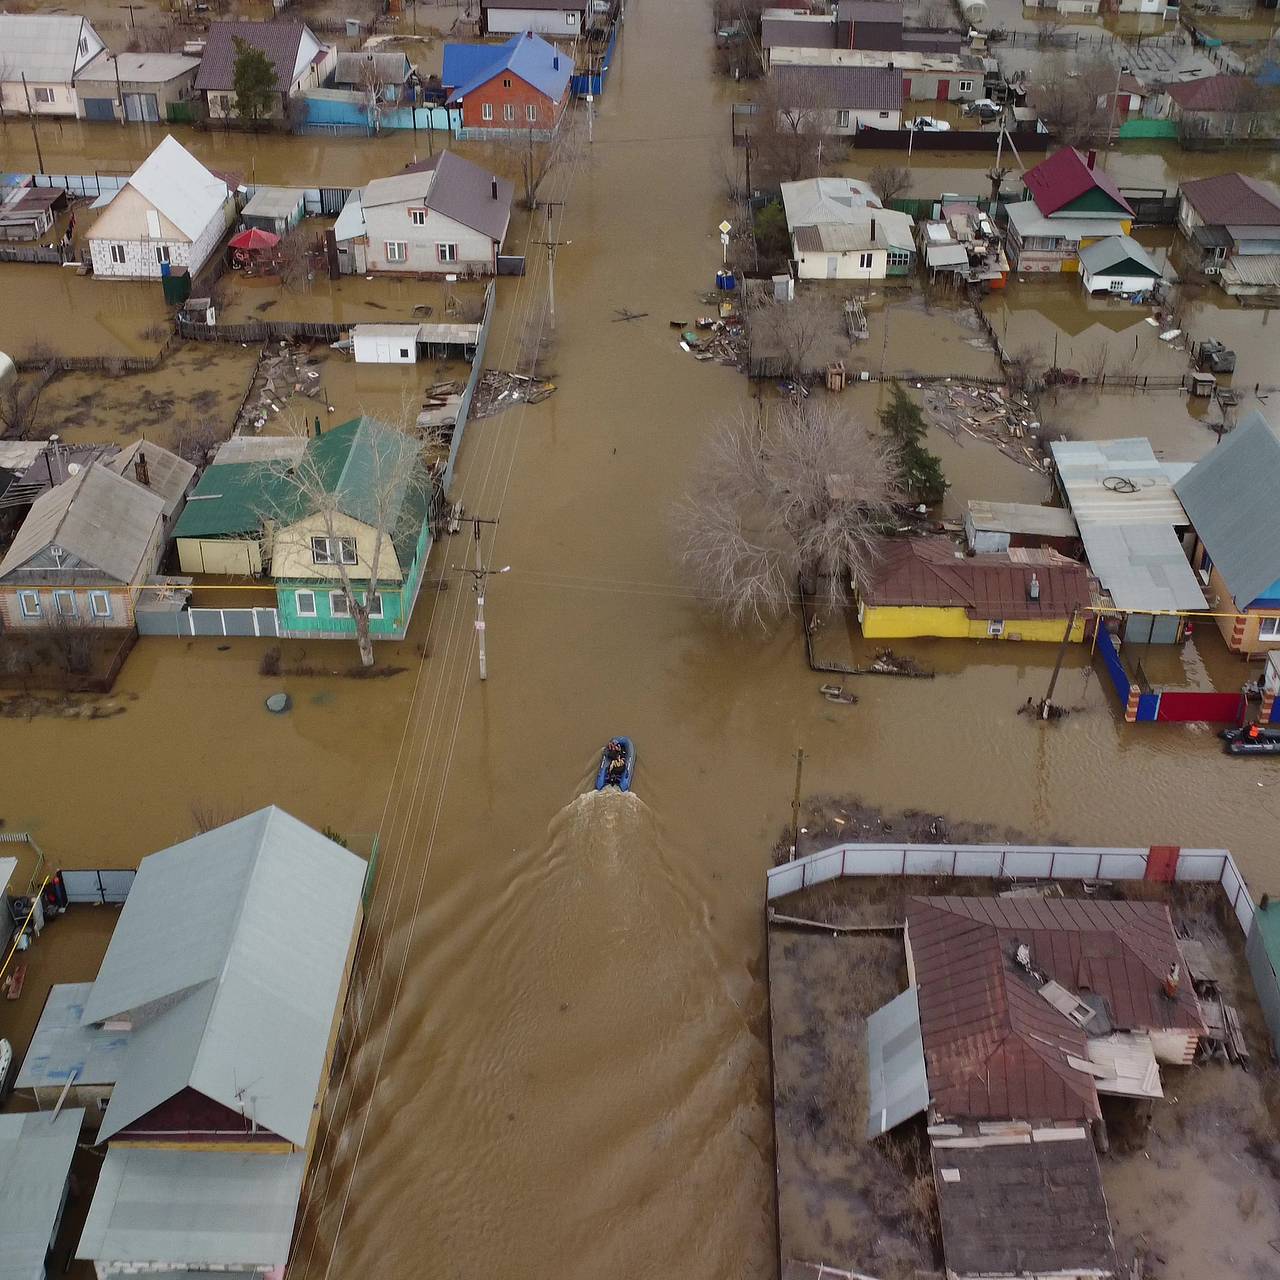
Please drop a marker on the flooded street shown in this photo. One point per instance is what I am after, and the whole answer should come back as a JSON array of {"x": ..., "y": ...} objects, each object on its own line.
[{"x": 558, "y": 1063}]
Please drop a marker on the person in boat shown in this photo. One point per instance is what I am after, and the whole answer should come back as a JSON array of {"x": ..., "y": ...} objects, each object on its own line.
[
  {"x": 617, "y": 761},
  {"x": 1254, "y": 733}
]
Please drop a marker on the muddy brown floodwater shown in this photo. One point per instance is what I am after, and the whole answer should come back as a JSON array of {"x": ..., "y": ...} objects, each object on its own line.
[{"x": 558, "y": 1066}]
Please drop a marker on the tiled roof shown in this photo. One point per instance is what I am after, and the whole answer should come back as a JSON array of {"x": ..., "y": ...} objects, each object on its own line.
[
  {"x": 278, "y": 40},
  {"x": 997, "y": 1049},
  {"x": 928, "y": 573},
  {"x": 1066, "y": 176},
  {"x": 1213, "y": 93},
  {"x": 843, "y": 88},
  {"x": 1232, "y": 199}
]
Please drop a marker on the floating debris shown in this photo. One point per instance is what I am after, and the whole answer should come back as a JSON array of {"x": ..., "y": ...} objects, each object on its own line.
[
  {"x": 279, "y": 703},
  {"x": 497, "y": 391},
  {"x": 990, "y": 414}
]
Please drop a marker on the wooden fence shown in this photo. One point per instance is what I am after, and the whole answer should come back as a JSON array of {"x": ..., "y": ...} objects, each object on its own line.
[
  {"x": 31, "y": 253},
  {"x": 261, "y": 331},
  {"x": 100, "y": 363}
]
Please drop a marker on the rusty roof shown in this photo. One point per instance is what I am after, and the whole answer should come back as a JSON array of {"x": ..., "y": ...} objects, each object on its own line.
[
  {"x": 1232, "y": 199},
  {"x": 994, "y": 1046},
  {"x": 931, "y": 573},
  {"x": 1213, "y": 93}
]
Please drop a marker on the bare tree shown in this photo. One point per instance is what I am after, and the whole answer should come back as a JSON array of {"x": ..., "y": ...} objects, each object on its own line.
[
  {"x": 793, "y": 130},
  {"x": 292, "y": 259},
  {"x": 937, "y": 17},
  {"x": 1073, "y": 98},
  {"x": 540, "y": 159},
  {"x": 350, "y": 528},
  {"x": 889, "y": 181},
  {"x": 370, "y": 85},
  {"x": 793, "y": 329},
  {"x": 803, "y": 501}
]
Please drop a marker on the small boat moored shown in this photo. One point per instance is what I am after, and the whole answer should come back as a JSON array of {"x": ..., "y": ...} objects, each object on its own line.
[
  {"x": 617, "y": 764},
  {"x": 1251, "y": 740}
]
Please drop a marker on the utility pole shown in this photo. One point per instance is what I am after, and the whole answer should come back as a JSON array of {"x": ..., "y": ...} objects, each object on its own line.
[
  {"x": 479, "y": 573},
  {"x": 131, "y": 8},
  {"x": 115, "y": 62},
  {"x": 795, "y": 805},
  {"x": 1047, "y": 704},
  {"x": 552, "y": 246},
  {"x": 34, "y": 134}
]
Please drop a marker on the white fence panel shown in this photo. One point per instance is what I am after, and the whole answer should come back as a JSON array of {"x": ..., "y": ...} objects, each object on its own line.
[
  {"x": 788, "y": 878},
  {"x": 928, "y": 860},
  {"x": 1123, "y": 864},
  {"x": 978, "y": 860},
  {"x": 1202, "y": 864},
  {"x": 873, "y": 859},
  {"x": 1074, "y": 866},
  {"x": 825, "y": 866},
  {"x": 1028, "y": 863}
]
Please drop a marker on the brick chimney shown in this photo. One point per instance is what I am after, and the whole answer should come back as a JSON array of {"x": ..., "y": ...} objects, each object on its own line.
[
  {"x": 141, "y": 470},
  {"x": 1092, "y": 156},
  {"x": 493, "y": 186}
]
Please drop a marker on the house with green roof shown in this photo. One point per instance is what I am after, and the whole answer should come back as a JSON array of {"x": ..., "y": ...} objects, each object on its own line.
[{"x": 350, "y": 515}]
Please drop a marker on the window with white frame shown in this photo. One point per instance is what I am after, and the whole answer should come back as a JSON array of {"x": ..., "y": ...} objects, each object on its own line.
[
  {"x": 375, "y": 604},
  {"x": 65, "y": 603},
  {"x": 509, "y": 111},
  {"x": 397, "y": 251},
  {"x": 486, "y": 111},
  {"x": 899, "y": 258},
  {"x": 162, "y": 253},
  {"x": 995, "y": 627},
  {"x": 964, "y": 86},
  {"x": 531, "y": 113},
  {"x": 1269, "y": 628},
  {"x": 339, "y": 605},
  {"x": 864, "y": 261},
  {"x": 99, "y": 604},
  {"x": 570, "y": 19},
  {"x": 321, "y": 551},
  {"x": 506, "y": 82},
  {"x": 884, "y": 115},
  {"x": 842, "y": 119},
  {"x": 117, "y": 254},
  {"x": 44, "y": 95},
  {"x": 333, "y": 551},
  {"x": 447, "y": 252},
  {"x": 305, "y": 602},
  {"x": 418, "y": 217},
  {"x": 29, "y": 603}
]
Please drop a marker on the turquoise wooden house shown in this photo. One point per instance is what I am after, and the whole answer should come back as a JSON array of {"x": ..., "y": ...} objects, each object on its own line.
[{"x": 359, "y": 513}]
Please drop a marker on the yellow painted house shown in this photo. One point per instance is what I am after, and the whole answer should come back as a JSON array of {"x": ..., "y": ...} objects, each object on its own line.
[{"x": 930, "y": 587}]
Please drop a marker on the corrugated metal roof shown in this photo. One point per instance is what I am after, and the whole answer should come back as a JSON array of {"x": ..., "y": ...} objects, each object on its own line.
[
  {"x": 846, "y": 88},
  {"x": 350, "y": 222},
  {"x": 35, "y": 1159},
  {"x": 167, "y": 474},
  {"x": 1230, "y": 497},
  {"x": 1142, "y": 566},
  {"x": 536, "y": 61},
  {"x": 280, "y": 41},
  {"x": 1211, "y": 93},
  {"x": 1064, "y": 177},
  {"x": 1027, "y": 220},
  {"x": 1258, "y": 270},
  {"x": 1114, "y": 251},
  {"x": 994, "y": 1047},
  {"x": 206, "y": 1208},
  {"x": 1116, "y": 482},
  {"x": 935, "y": 573},
  {"x": 946, "y": 255},
  {"x": 451, "y": 186},
  {"x": 45, "y": 46},
  {"x": 897, "y": 1086},
  {"x": 96, "y": 516},
  {"x": 273, "y": 202},
  {"x": 138, "y": 68},
  {"x": 248, "y": 927},
  {"x": 1031, "y": 1208},
  {"x": 63, "y": 1044},
  {"x": 1234, "y": 198},
  {"x": 793, "y": 32},
  {"x": 7, "y": 867},
  {"x": 358, "y": 68},
  {"x": 175, "y": 183},
  {"x": 1021, "y": 517},
  {"x": 232, "y": 499}
]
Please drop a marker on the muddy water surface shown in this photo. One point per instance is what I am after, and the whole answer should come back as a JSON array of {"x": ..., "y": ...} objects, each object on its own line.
[{"x": 558, "y": 1066}]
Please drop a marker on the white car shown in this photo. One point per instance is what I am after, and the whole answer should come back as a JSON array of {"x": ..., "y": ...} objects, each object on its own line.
[{"x": 927, "y": 124}]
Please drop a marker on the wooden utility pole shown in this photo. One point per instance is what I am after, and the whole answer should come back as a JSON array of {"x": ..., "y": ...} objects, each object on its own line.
[
  {"x": 551, "y": 247},
  {"x": 795, "y": 804},
  {"x": 34, "y": 133},
  {"x": 479, "y": 574},
  {"x": 1057, "y": 666}
]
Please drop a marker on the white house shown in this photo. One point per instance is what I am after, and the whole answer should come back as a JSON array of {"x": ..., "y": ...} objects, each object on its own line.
[
  {"x": 1118, "y": 264},
  {"x": 173, "y": 210},
  {"x": 842, "y": 98},
  {"x": 840, "y": 231},
  {"x": 546, "y": 17},
  {"x": 300, "y": 60},
  {"x": 50, "y": 50},
  {"x": 445, "y": 216}
]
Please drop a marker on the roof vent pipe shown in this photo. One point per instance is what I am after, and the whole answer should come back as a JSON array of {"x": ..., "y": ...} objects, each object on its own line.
[
  {"x": 1033, "y": 588},
  {"x": 1092, "y": 157},
  {"x": 493, "y": 186}
]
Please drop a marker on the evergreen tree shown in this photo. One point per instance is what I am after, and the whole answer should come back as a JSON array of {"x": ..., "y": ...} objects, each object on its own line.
[
  {"x": 254, "y": 80},
  {"x": 920, "y": 471}
]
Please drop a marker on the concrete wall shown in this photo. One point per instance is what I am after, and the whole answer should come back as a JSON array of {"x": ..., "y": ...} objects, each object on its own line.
[{"x": 140, "y": 254}]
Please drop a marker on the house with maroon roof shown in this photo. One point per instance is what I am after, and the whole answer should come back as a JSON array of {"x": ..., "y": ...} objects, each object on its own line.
[
  {"x": 1070, "y": 201},
  {"x": 300, "y": 59},
  {"x": 930, "y": 587},
  {"x": 1230, "y": 228},
  {"x": 1221, "y": 107}
]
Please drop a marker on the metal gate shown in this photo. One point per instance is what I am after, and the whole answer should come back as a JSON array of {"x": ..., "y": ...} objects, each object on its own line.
[
  {"x": 141, "y": 108},
  {"x": 99, "y": 108},
  {"x": 98, "y": 887},
  {"x": 332, "y": 199}
]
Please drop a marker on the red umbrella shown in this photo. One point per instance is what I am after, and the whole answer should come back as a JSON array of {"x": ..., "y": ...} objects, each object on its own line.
[{"x": 254, "y": 239}]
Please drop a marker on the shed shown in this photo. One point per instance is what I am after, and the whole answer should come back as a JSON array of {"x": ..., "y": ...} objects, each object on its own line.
[
  {"x": 997, "y": 526},
  {"x": 275, "y": 209},
  {"x": 405, "y": 343},
  {"x": 1118, "y": 265},
  {"x": 221, "y": 527},
  {"x": 63, "y": 1050},
  {"x": 35, "y": 1165}
]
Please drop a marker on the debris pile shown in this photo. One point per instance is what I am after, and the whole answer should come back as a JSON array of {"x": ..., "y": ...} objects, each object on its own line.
[
  {"x": 989, "y": 414},
  {"x": 497, "y": 391},
  {"x": 280, "y": 375},
  {"x": 720, "y": 337},
  {"x": 440, "y": 404}
]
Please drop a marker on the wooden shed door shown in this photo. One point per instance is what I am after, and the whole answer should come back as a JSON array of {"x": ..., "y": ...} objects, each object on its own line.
[{"x": 944, "y": 90}]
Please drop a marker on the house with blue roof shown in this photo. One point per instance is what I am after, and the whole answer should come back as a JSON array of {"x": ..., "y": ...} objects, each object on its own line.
[{"x": 519, "y": 88}]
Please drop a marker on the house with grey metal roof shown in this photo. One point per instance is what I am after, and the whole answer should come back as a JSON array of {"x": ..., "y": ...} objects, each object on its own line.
[
  {"x": 50, "y": 50},
  {"x": 1117, "y": 265},
  {"x": 227, "y": 973},
  {"x": 35, "y": 1166},
  {"x": 445, "y": 216},
  {"x": 298, "y": 57},
  {"x": 143, "y": 88},
  {"x": 1230, "y": 499},
  {"x": 85, "y": 550},
  {"x": 1132, "y": 524},
  {"x": 843, "y": 99}
]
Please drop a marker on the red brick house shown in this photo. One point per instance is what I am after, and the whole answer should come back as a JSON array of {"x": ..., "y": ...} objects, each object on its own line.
[{"x": 518, "y": 87}]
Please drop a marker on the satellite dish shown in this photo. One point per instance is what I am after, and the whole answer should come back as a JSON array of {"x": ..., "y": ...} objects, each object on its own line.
[{"x": 73, "y": 468}]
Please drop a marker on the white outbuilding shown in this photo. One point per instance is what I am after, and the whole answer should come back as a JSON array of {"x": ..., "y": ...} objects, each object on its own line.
[{"x": 1118, "y": 265}]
